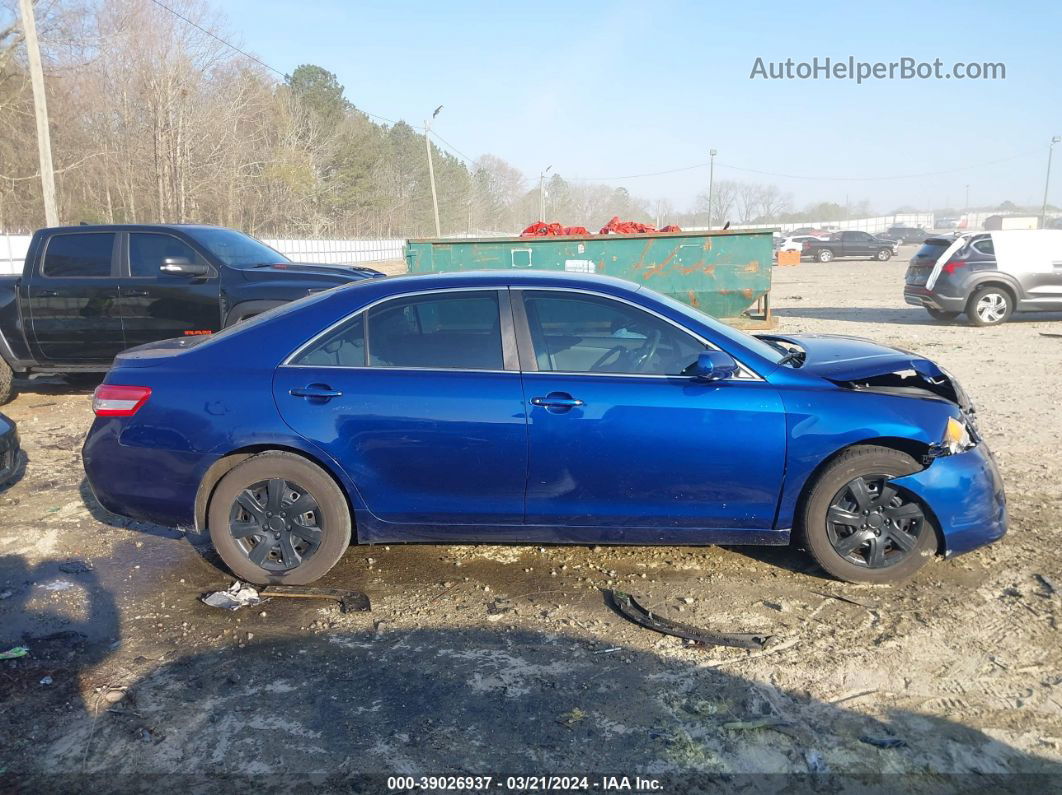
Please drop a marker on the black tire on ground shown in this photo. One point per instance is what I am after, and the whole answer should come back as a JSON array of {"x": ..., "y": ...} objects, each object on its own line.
[
  {"x": 862, "y": 461},
  {"x": 990, "y": 306},
  {"x": 941, "y": 315},
  {"x": 7, "y": 385},
  {"x": 330, "y": 515},
  {"x": 824, "y": 255},
  {"x": 883, "y": 255}
]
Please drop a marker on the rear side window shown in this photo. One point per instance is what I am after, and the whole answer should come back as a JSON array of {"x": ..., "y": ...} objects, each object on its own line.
[
  {"x": 342, "y": 348},
  {"x": 148, "y": 251},
  {"x": 931, "y": 249},
  {"x": 457, "y": 331},
  {"x": 86, "y": 255},
  {"x": 984, "y": 246}
]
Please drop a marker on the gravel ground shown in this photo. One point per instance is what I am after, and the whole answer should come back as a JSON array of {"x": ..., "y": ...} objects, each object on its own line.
[{"x": 496, "y": 660}]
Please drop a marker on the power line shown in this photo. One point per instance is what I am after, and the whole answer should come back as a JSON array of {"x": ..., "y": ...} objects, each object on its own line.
[
  {"x": 454, "y": 149},
  {"x": 246, "y": 54}
]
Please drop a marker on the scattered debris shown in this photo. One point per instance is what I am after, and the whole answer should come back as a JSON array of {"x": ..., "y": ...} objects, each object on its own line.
[
  {"x": 628, "y": 607},
  {"x": 883, "y": 742},
  {"x": 572, "y": 717},
  {"x": 16, "y": 652},
  {"x": 58, "y": 585},
  {"x": 47, "y": 680},
  {"x": 1048, "y": 583},
  {"x": 238, "y": 595},
  {"x": 75, "y": 567},
  {"x": 815, "y": 762},
  {"x": 850, "y": 599},
  {"x": 758, "y": 723},
  {"x": 349, "y": 601},
  {"x": 609, "y": 650}
]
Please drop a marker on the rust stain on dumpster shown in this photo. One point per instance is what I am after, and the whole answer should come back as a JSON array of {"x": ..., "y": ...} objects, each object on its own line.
[{"x": 752, "y": 267}]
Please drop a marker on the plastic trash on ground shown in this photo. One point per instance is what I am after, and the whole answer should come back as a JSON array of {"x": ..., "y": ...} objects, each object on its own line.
[{"x": 239, "y": 594}]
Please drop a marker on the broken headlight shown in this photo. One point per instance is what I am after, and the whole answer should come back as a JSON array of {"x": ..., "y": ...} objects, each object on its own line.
[{"x": 958, "y": 438}]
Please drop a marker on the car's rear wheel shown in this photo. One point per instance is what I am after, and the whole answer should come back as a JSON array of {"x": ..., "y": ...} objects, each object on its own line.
[
  {"x": 7, "y": 382},
  {"x": 941, "y": 315},
  {"x": 990, "y": 306},
  {"x": 824, "y": 255},
  {"x": 859, "y": 527},
  {"x": 279, "y": 519},
  {"x": 884, "y": 254}
]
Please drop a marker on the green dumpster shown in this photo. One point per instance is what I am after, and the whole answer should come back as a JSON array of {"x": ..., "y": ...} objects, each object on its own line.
[{"x": 721, "y": 273}]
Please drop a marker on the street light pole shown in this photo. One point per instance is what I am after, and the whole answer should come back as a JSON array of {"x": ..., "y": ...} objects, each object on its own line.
[
  {"x": 431, "y": 170},
  {"x": 40, "y": 108},
  {"x": 1047, "y": 182},
  {"x": 711, "y": 183},
  {"x": 542, "y": 194}
]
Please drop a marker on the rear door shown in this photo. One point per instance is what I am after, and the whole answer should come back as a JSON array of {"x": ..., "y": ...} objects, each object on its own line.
[
  {"x": 156, "y": 305},
  {"x": 73, "y": 299},
  {"x": 419, "y": 398}
]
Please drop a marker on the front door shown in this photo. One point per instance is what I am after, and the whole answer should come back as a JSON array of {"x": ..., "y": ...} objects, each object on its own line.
[
  {"x": 73, "y": 300},
  {"x": 419, "y": 399},
  {"x": 157, "y": 305},
  {"x": 621, "y": 441}
]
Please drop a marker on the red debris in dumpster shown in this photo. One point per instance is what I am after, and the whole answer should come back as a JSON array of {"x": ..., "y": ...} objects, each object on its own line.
[
  {"x": 618, "y": 227},
  {"x": 671, "y": 228},
  {"x": 542, "y": 229}
]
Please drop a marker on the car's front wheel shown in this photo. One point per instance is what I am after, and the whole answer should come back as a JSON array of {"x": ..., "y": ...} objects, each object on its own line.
[
  {"x": 858, "y": 526},
  {"x": 884, "y": 254},
  {"x": 278, "y": 518},
  {"x": 824, "y": 255}
]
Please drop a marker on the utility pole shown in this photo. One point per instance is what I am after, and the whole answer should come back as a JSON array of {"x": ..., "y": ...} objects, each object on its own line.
[
  {"x": 1047, "y": 182},
  {"x": 711, "y": 183},
  {"x": 431, "y": 168},
  {"x": 966, "y": 208},
  {"x": 40, "y": 107},
  {"x": 542, "y": 194}
]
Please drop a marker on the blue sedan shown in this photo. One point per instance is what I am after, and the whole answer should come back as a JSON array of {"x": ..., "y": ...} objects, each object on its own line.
[{"x": 538, "y": 408}]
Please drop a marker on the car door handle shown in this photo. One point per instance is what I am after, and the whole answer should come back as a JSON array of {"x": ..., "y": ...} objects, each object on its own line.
[
  {"x": 320, "y": 391},
  {"x": 557, "y": 400},
  {"x": 47, "y": 293},
  {"x": 136, "y": 293}
]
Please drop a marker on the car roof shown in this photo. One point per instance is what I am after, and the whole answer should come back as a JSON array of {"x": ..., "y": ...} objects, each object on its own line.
[
  {"x": 127, "y": 227},
  {"x": 501, "y": 278}
]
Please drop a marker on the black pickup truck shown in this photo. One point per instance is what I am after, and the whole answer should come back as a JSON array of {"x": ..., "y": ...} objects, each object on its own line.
[
  {"x": 850, "y": 243},
  {"x": 89, "y": 292}
]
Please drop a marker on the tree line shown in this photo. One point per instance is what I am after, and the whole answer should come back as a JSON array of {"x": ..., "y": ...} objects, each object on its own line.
[{"x": 154, "y": 120}]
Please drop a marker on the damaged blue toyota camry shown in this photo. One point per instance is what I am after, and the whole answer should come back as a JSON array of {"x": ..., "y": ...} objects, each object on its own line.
[{"x": 535, "y": 407}]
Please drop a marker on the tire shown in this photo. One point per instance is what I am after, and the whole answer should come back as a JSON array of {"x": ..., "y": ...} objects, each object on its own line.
[
  {"x": 824, "y": 255},
  {"x": 7, "y": 382},
  {"x": 990, "y": 306},
  {"x": 256, "y": 477},
  {"x": 883, "y": 255},
  {"x": 904, "y": 548},
  {"x": 941, "y": 315}
]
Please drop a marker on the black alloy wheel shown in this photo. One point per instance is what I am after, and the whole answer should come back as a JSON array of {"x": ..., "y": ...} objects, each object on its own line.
[
  {"x": 276, "y": 523},
  {"x": 871, "y": 524}
]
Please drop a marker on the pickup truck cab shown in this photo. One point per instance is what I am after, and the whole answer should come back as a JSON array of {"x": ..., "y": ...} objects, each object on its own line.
[
  {"x": 87, "y": 293},
  {"x": 850, "y": 243}
]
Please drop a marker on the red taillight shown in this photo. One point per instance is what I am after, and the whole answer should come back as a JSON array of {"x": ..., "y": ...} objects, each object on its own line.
[
  {"x": 111, "y": 400},
  {"x": 953, "y": 265}
]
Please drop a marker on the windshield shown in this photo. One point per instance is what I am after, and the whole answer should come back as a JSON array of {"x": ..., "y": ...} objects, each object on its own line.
[
  {"x": 236, "y": 249},
  {"x": 771, "y": 353}
]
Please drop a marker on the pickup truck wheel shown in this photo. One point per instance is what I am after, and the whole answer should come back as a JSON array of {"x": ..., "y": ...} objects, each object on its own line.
[
  {"x": 824, "y": 255},
  {"x": 279, "y": 519},
  {"x": 7, "y": 386},
  {"x": 990, "y": 306},
  {"x": 858, "y": 527},
  {"x": 884, "y": 254}
]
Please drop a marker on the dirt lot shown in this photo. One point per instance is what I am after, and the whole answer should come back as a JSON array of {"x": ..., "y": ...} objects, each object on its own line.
[{"x": 497, "y": 660}]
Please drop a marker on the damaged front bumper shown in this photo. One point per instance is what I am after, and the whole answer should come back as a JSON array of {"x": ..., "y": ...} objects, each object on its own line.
[{"x": 965, "y": 494}]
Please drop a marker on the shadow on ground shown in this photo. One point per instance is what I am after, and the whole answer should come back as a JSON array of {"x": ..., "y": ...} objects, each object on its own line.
[
  {"x": 426, "y": 701},
  {"x": 906, "y": 315}
]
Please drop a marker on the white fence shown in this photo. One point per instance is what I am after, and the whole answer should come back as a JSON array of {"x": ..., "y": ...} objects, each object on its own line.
[
  {"x": 330, "y": 252},
  {"x": 873, "y": 225}
]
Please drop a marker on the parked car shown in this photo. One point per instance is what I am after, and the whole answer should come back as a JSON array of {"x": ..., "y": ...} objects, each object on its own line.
[
  {"x": 10, "y": 450},
  {"x": 906, "y": 234},
  {"x": 796, "y": 242},
  {"x": 538, "y": 407},
  {"x": 89, "y": 292},
  {"x": 946, "y": 223},
  {"x": 850, "y": 243},
  {"x": 987, "y": 275}
]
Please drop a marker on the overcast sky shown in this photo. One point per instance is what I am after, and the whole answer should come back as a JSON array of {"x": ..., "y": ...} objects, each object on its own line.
[{"x": 609, "y": 89}]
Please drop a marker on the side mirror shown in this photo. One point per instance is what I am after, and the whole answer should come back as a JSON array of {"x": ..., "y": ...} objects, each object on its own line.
[
  {"x": 713, "y": 366},
  {"x": 182, "y": 266}
]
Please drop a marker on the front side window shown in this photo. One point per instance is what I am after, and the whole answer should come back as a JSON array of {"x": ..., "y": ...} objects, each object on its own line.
[
  {"x": 148, "y": 251},
  {"x": 456, "y": 331},
  {"x": 575, "y": 333},
  {"x": 85, "y": 256}
]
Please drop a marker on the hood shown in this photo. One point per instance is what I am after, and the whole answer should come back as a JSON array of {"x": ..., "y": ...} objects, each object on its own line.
[
  {"x": 861, "y": 364},
  {"x": 337, "y": 274}
]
